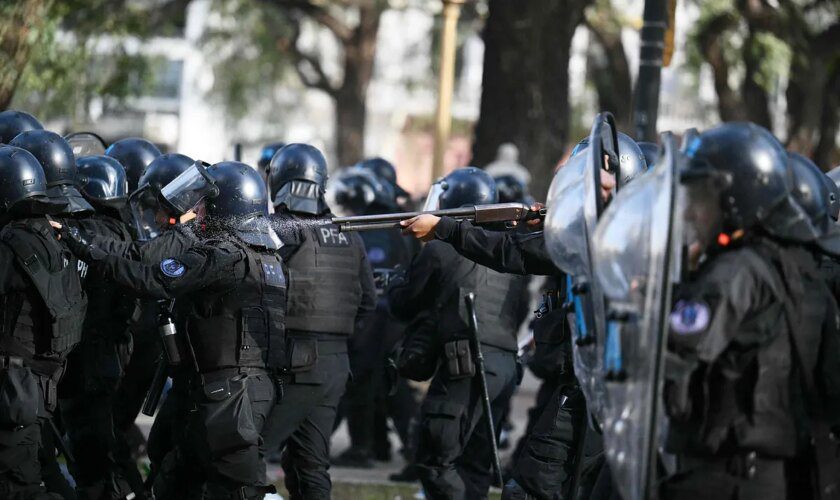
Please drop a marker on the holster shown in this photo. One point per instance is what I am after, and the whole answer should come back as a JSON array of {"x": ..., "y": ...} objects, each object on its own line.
[
  {"x": 459, "y": 360},
  {"x": 677, "y": 389},
  {"x": 303, "y": 354},
  {"x": 19, "y": 394}
]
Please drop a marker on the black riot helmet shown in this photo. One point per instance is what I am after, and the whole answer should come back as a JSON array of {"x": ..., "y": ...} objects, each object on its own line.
[
  {"x": 56, "y": 158},
  {"x": 148, "y": 216},
  {"x": 134, "y": 154},
  {"x": 833, "y": 178},
  {"x": 468, "y": 186},
  {"x": 632, "y": 161},
  {"x": 163, "y": 170},
  {"x": 23, "y": 186},
  {"x": 267, "y": 153},
  {"x": 651, "y": 152},
  {"x": 13, "y": 123},
  {"x": 298, "y": 179},
  {"x": 386, "y": 171},
  {"x": 359, "y": 191},
  {"x": 241, "y": 203},
  {"x": 102, "y": 181},
  {"x": 512, "y": 190},
  {"x": 757, "y": 184},
  {"x": 814, "y": 191}
]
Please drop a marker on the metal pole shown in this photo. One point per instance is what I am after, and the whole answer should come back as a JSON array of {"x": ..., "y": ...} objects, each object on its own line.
[
  {"x": 443, "y": 120},
  {"x": 650, "y": 69}
]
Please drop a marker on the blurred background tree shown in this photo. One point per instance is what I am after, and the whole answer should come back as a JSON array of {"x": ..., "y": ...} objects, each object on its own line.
[
  {"x": 759, "y": 50},
  {"x": 272, "y": 29},
  {"x": 525, "y": 84},
  {"x": 58, "y": 56}
]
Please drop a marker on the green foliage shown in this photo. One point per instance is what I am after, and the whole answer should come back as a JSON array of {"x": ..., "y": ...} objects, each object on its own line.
[
  {"x": 774, "y": 55},
  {"x": 68, "y": 67},
  {"x": 250, "y": 56}
]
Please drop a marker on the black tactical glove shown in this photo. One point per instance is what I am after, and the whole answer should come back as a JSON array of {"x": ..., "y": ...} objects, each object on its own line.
[{"x": 79, "y": 245}]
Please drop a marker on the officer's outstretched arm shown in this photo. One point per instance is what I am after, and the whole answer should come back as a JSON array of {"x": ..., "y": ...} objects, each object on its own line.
[
  {"x": 503, "y": 251},
  {"x": 199, "y": 268}
]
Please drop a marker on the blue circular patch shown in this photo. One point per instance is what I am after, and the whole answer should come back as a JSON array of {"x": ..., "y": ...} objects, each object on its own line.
[
  {"x": 376, "y": 255},
  {"x": 689, "y": 317},
  {"x": 172, "y": 268}
]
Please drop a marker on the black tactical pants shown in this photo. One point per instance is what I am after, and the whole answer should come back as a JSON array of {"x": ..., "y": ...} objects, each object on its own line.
[
  {"x": 129, "y": 399},
  {"x": 27, "y": 453},
  {"x": 302, "y": 422},
  {"x": 734, "y": 478},
  {"x": 87, "y": 390},
  {"x": 454, "y": 452},
  {"x": 547, "y": 459},
  {"x": 220, "y": 456}
]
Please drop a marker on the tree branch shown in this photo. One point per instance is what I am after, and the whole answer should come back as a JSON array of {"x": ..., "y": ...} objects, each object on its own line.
[
  {"x": 319, "y": 80},
  {"x": 319, "y": 14}
]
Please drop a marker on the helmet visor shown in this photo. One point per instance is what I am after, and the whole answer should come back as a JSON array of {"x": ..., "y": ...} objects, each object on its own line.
[{"x": 185, "y": 191}]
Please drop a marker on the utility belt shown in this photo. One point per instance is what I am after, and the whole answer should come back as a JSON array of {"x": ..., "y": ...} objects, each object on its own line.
[
  {"x": 744, "y": 465},
  {"x": 459, "y": 360},
  {"x": 552, "y": 300}
]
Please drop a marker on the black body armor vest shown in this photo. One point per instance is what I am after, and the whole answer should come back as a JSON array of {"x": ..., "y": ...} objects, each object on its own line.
[
  {"x": 43, "y": 322},
  {"x": 325, "y": 292},
  {"x": 241, "y": 327},
  {"x": 109, "y": 310},
  {"x": 498, "y": 300}
]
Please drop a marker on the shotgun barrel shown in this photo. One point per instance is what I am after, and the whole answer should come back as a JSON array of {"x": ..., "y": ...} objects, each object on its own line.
[{"x": 479, "y": 214}]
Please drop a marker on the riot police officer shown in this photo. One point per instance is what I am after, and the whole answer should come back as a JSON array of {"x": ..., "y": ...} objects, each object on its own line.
[
  {"x": 367, "y": 403},
  {"x": 150, "y": 221},
  {"x": 386, "y": 172},
  {"x": 96, "y": 367},
  {"x": 59, "y": 165},
  {"x": 331, "y": 297},
  {"x": 266, "y": 154},
  {"x": 44, "y": 306},
  {"x": 14, "y": 122},
  {"x": 545, "y": 465},
  {"x": 134, "y": 154},
  {"x": 453, "y": 456},
  {"x": 745, "y": 390},
  {"x": 232, "y": 285}
]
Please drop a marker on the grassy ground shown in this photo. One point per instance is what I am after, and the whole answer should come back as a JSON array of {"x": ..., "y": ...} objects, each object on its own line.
[{"x": 367, "y": 491}]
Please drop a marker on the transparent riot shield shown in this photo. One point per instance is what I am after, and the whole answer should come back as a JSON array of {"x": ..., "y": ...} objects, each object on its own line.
[
  {"x": 575, "y": 205},
  {"x": 86, "y": 144},
  {"x": 637, "y": 251}
]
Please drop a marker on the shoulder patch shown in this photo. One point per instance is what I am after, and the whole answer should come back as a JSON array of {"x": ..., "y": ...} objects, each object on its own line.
[
  {"x": 376, "y": 255},
  {"x": 172, "y": 268},
  {"x": 689, "y": 317}
]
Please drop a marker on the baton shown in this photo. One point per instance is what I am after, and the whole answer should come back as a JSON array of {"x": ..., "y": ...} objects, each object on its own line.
[{"x": 482, "y": 380}]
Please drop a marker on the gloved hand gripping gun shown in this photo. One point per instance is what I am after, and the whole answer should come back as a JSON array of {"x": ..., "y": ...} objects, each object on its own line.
[{"x": 479, "y": 214}]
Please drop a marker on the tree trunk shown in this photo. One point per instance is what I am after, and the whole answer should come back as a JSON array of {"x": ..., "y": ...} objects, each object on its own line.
[
  {"x": 754, "y": 96},
  {"x": 825, "y": 152},
  {"x": 611, "y": 73},
  {"x": 17, "y": 22},
  {"x": 525, "y": 85},
  {"x": 350, "y": 99}
]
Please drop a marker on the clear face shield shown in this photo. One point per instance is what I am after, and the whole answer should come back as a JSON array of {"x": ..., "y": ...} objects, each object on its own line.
[
  {"x": 433, "y": 198},
  {"x": 148, "y": 216},
  {"x": 256, "y": 230},
  {"x": 85, "y": 144},
  {"x": 185, "y": 191}
]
